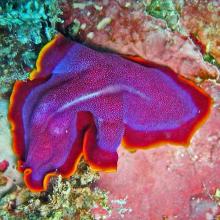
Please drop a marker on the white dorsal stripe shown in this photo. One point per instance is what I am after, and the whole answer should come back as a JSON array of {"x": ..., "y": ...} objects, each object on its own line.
[{"x": 105, "y": 91}]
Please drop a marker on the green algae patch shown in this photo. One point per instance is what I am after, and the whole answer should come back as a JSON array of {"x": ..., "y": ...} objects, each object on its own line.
[
  {"x": 165, "y": 10},
  {"x": 25, "y": 26},
  {"x": 209, "y": 58}
]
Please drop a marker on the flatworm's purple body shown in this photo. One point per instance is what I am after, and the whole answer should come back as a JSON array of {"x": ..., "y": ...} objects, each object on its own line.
[{"x": 84, "y": 102}]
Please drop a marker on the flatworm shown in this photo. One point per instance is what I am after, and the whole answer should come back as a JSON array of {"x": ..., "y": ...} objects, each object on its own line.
[{"x": 82, "y": 102}]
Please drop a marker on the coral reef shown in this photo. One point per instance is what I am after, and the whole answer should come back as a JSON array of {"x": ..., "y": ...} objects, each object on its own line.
[
  {"x": 25, "y": 26},
  {"x": 65, "y": 199},
  {"x": 124, "y": 27},
  {"x": 197, "y": 19}
]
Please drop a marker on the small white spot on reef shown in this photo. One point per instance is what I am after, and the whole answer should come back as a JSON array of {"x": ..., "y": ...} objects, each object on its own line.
[
  {"x": 102, "y": 24},
  {"x": 83, "y": 26},
  {"x": 127, "y": 4},
  {"x": 90, "y": 35},
  {"x": 98, "y": 8}
]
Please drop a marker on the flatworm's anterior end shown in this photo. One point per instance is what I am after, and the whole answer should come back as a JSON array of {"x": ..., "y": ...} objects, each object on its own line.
[
  {"x": 204, "y": 102},
  {"x": 183, "y": 134}
]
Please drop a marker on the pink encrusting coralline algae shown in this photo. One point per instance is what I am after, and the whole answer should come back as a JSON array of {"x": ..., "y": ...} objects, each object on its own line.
[{"x": 125, "y": 27}]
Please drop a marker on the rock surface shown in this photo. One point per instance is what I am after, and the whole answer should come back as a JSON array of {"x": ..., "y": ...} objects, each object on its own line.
[
  {"x": 202, "y": 19},
  {"x": 124, "y": 27}
]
